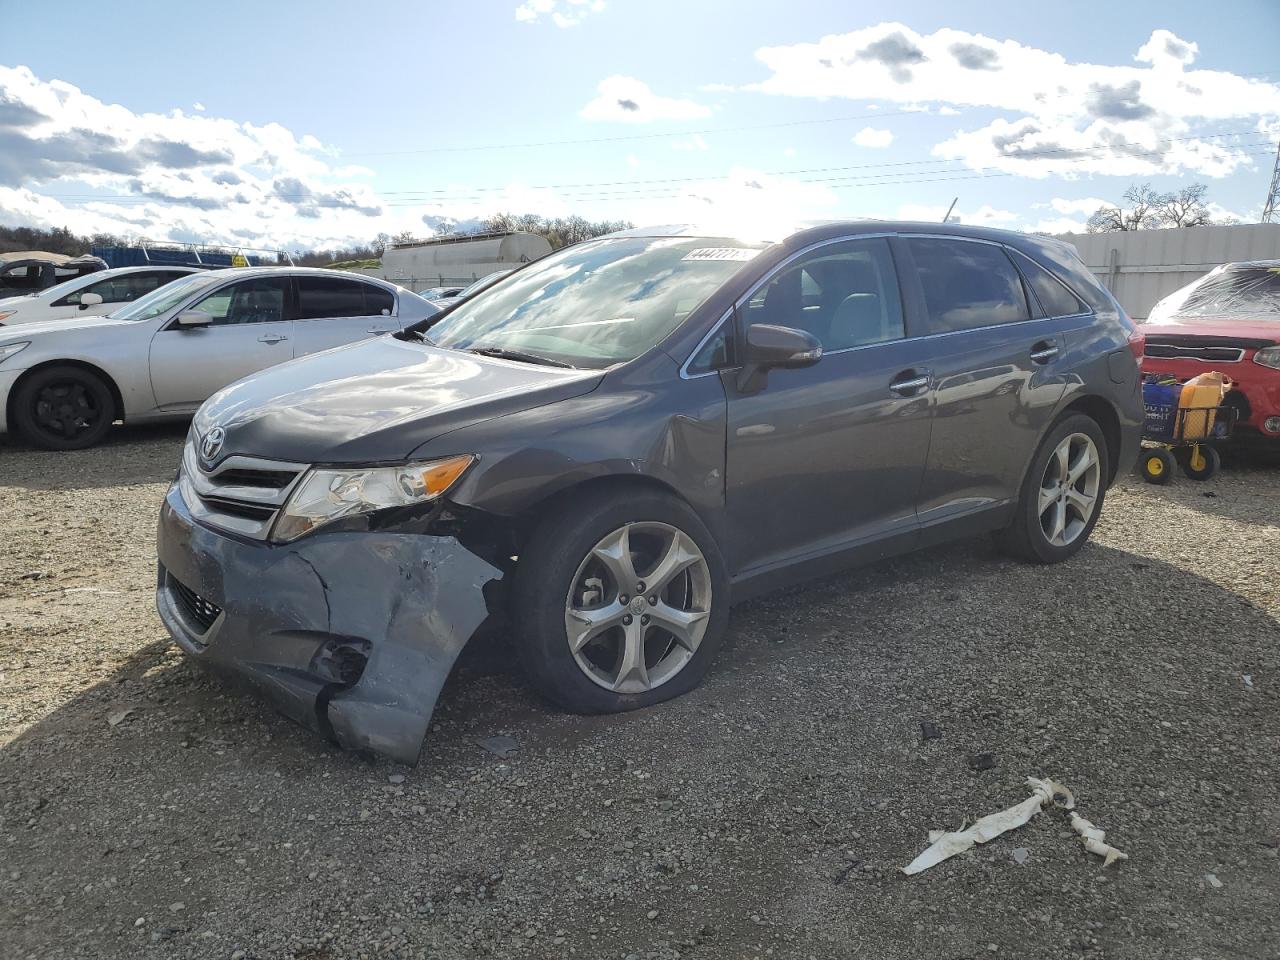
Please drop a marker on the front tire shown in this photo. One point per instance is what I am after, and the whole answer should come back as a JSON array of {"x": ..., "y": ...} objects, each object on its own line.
[
  {"x": 621, "y": 599},
  {"x": 1062, "y": 493},
  {"x": 63, "y": 408}
]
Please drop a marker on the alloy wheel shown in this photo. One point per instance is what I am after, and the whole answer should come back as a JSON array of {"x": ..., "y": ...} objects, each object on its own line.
[
  {"x": 638, "y": 607},
  {"x": 1068, "y": 494}
]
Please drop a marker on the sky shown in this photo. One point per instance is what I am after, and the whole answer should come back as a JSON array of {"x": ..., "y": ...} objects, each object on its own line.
[{"x": 302, "y": 125}]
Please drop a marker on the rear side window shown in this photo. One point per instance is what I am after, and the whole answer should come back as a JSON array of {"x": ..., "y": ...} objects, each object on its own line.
[
  {"x": 1056, "y": 298},
  {"x": 376, "y": 300},
  {"x": 327, "y": 297},
  {"x": 967, "y": 284}
]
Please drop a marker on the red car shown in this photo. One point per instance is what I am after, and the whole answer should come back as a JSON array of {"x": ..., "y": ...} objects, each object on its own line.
[{"x": 1228, "y": 320}]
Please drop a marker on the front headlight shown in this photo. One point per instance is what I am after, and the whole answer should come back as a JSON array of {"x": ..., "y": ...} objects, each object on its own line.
[
  {"x": 7, "y": 350},
  {"x": 326, "y": 495},
  {"x": 1268, "y": 357}
]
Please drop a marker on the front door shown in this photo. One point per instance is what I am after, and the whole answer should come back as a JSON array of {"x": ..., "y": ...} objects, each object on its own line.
[
  {"x": 333, "y": 311},
  {"x": 251, "y": 330},
  {"x": 832, "y": 455},
  {"x": 995, "y": 359}
]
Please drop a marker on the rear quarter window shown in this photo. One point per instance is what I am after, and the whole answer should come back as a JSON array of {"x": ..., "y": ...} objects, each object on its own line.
[{"x": 1055, "y": 297}]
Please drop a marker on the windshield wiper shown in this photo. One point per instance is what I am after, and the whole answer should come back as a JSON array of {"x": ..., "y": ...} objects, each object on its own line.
[{"x": 502, "y": 353}]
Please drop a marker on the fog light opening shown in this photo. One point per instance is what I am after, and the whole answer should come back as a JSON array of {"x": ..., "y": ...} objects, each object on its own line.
[
  {"x": 1271, "y": 424},
  {"x": 341, "y": 662}
]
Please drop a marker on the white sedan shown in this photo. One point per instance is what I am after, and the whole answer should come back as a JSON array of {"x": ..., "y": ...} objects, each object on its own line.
[
  {"x": 65, "y": 382},
  {"x": 92, "y": 295}
]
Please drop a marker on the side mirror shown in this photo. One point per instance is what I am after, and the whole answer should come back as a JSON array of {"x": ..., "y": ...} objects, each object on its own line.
[
  {"x": 770, "y": 346},
  {"x": 90, "y": 300},
  {"x": 193, "y": 319}
]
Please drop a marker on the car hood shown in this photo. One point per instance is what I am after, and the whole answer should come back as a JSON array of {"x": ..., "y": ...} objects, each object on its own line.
[
  {"x": 1219, "y": 333},
  {"x": 41, "y": 328},
  {"x": 376, "y": 401}
]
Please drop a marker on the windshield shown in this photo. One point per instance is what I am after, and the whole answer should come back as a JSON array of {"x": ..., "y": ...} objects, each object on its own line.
[
  {"x": 596, "y": 303},
  {"x": 1242, "y": 293},
  {"x": 165, "y": 298},
  {"x": 485, "y": 281},
  {"x": 68, "y": 286}
]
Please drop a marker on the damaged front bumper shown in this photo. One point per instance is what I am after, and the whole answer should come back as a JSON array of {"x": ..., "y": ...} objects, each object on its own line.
[{"x": 350, "y": 633}]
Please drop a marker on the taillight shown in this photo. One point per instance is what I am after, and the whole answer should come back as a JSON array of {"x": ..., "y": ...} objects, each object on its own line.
[{"x": 1137, "y": 344}]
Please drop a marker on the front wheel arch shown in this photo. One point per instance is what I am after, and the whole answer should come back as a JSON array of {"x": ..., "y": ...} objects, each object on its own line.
[{"x": 116, "y": 397}]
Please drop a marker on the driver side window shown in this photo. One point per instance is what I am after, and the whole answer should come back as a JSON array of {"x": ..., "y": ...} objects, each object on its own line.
[
  {"x": 845, "y": 294},
  {"x": 258, "y": 300}
]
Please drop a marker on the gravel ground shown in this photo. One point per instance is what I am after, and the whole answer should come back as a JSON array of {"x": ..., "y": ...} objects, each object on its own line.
[{"x": 147, "y": 812}]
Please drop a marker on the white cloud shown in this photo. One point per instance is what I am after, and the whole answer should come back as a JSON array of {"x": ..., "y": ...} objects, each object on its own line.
[
  {"x": 1087, "y": 205},
  {"x": 789, "y": 152},
  {"x": 563, "y": 13},
  {"x": 629, "y": 100},
  {"x": 68, "y": 159},
  {"x": 633, "y": 160},
  {"x": 1067, "y": 117},
  {"x": 871, "y": 137},
  {"x": 198, "y": 106},
  {"x": 747, "y": 202}
]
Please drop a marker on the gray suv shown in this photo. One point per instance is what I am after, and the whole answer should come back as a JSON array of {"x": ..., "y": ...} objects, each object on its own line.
[{"x": 612, "y": 444}]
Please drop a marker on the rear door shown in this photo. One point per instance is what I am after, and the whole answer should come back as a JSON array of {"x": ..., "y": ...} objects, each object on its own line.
[
  {"x": 251, "y": 329},
  {"x": 826, "y": 457},
  {"x": 333, "y": 311},
  {"x": 996, "y": 366}
]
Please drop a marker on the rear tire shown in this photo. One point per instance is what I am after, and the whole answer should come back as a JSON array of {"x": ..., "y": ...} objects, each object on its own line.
[
  {"x": 569, "y": 604},
  {"x": 1157, "y": 466},
  {"x": 1210, "y": 463},
  {"x": 1062, "y": 493},
  {"x": 63, "y": 408}
]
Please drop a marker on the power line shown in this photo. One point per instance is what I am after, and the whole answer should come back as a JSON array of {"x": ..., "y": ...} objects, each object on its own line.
[{"x": 603, "y": 189}]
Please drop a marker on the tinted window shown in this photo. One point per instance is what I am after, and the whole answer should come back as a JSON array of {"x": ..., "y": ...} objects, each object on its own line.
[
  {"x": 967, "y": 284},
  {"x": 121, "y": 289},
  {"x": 324, "y": 297},
  {"x": 846, "y": 295},
  {"x": 1057, "y": 300},
  {"x": 260, "y": 300},
  {"x": 376, "y": 300}
]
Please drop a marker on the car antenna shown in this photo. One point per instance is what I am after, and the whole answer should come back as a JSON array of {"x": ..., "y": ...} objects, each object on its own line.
[{"x": 947, "y": 216}]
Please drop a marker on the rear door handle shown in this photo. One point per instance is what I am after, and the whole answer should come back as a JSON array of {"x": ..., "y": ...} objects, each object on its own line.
[
  {"x": 910, "y": 383},
  {"x": 271, "y": 338},
  {"x": 1044, "y": 352}
]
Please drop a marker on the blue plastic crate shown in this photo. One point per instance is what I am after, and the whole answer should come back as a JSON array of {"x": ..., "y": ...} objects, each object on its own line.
[{"x": 1161, "y": 403}]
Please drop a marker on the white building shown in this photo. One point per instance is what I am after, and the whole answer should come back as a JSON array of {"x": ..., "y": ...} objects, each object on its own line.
[
  {"x": 458, "y": 260},
  {"x": 1140, "y": 267}
]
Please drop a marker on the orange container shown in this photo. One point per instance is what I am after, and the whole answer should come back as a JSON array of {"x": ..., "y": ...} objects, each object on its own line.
[{"x": 1201, "y": 396}]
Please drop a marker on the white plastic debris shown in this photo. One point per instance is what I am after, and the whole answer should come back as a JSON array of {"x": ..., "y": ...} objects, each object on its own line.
[
  {"x": 1248, "y": 680},
  {"x": 1095, "y": 840},
  {"x": 944, "y": 845},
  {"x": 1213, "y": 881}
]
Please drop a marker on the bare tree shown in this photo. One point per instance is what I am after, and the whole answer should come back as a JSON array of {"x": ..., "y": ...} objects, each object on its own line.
[
  {"x": 1186, "y": 207},
  {"x": 1143, "y": 212}
]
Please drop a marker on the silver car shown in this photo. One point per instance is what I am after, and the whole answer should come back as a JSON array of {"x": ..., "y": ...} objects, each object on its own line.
[{"x": 65, "y": 382}]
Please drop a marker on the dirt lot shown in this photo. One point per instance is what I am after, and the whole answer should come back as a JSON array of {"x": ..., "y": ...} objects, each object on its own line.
[{"x": 146, "y": 812}]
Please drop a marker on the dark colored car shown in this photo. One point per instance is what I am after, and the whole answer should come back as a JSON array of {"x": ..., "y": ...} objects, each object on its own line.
[
  {"x": 1229, "y": 321},
  {"x": 611, "y": 445}
]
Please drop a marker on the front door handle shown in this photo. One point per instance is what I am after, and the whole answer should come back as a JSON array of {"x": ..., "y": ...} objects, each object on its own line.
[
  {"x": 272, "y": 338},
  {"x": 1044, "y": 352},
  {"x": 376, "y": 330},
  {"x": 910, "y": 383}
]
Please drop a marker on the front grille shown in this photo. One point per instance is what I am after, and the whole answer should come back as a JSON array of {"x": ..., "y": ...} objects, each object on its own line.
[
  {"x": 241, "y": 495},
  {"x": 1169, "y": 351},
  {"x": 197, "y": 608}
]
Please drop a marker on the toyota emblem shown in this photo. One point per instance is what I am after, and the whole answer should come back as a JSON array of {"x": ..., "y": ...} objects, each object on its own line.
[{"x": 211, "y": 445}]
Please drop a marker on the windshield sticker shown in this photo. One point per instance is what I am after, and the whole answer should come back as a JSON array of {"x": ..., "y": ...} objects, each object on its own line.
[{"x": 741, "y": 254}]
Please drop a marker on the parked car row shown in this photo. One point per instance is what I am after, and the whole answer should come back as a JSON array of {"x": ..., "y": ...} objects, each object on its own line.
[
  {"x": 89, "y": 295},
  {"x": 607, "y": 447},
  {"x": 63, "y": 383}
]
